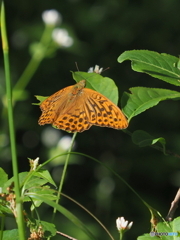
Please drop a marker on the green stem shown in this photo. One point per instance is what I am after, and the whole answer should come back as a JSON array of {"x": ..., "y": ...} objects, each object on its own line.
[
  {"x": 27, "y": 74},
  {"x": 19, "y": 206},
  {"x": 120, "y": 235},
  {"x": 36, "y": 59},
  {"x": 64, "y": 173}
]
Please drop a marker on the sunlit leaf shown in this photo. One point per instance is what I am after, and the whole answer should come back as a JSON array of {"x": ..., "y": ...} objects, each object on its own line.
[
  {"x": 141, "y": 99},
  {"x": 162, "y": 66}
]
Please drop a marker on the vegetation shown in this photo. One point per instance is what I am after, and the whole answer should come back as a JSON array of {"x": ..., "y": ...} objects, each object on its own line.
[{"x": 57, "y": 185}]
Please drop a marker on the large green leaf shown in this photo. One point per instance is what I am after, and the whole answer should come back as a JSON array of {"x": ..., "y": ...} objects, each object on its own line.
[
  {"x": 162, "y": 66},
  {"x": 142, "y": 98},
  {"x": 103, "y": 85}
]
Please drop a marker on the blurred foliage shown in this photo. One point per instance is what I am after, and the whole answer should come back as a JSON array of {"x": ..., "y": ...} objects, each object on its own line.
[{"x": 102, "y": 30}]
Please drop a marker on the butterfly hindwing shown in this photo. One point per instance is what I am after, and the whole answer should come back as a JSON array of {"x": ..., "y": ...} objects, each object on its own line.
[
  {"x": 73, "y": 121},
  {"x": 103, "y": 112}
]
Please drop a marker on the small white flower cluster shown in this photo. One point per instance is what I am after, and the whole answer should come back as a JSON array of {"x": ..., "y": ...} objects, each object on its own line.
[
  {"x": 59, "y": 35},
  {"x": 51, "y": 17},
  {"x": 96, "y": 69},
  {"x": 122, "y": 224}
]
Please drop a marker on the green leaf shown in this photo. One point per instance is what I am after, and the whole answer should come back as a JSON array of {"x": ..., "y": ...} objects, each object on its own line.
[
  {"x": 142, "y": 98},
  {"x": 10, "y": 234},
  {"x": 165, "y": 231},
  {"x": 177, "y": 64},
  {"x": 40, "y": 98},
  {"x": 35, "y": 182},
  {"x": 161, "y": 66},
  {"x": 49, "y": 229},
  {"x": 3, "y": 178},
  {"x": 103, "y": 85},
  {"x": 164, "y": 227},
  {"x": 22, "y": 176},
  {"x": 44, "y": 191},
  {"x": 176, "y": 227},
  {"x": 44, "y": 174},
  {"x": 148, "y": 237},
  {"x": 5, "y": 210},
  {"x": 65, "y": 212},
  {"x": 143, "y": 139}
]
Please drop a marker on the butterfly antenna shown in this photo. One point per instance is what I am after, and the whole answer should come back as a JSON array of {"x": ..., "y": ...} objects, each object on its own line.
[
  {"x": 77, "y": 66},
  {"x": 105, "y": 69}
]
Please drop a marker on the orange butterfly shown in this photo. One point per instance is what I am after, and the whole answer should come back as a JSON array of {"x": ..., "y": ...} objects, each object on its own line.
[{"x": 76, "y": 109}]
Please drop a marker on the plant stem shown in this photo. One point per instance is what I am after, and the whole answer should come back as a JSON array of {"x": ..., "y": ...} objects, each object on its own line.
[
  {"x": 19, "y": 207},
  {"x": 64, "y": 173},
  {"x": 27, "y": 74},
  {"x": 120, "y": 236},
  {"x": 36, "y": 59}
]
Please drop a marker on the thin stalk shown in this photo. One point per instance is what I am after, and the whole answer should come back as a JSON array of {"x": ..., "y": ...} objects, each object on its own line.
[
  {"x": 63, "y": 174},
  {"x": 120, "y": 236},
  {"x": 28, "y": 73},
  {"x": 19, "y": 207},
  {"x": 36, "y": 59}
]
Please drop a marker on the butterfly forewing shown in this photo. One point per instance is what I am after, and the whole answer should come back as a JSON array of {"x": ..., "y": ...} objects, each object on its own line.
[{"x": 57, "y": 104}]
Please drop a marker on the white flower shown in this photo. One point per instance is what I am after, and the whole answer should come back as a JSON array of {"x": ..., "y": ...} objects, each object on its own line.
[
  {"x": 65, "y": 142},
  {"x": 51, "y": 17},
  {"x": 96, "y": 69},
  {"x": 34, "y": 163},
  {"x": 61, "y": 37},
  {"x": 122, "y": 224}
]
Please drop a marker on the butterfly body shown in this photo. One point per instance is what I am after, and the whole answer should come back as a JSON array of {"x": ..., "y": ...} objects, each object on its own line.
[{"x": 76, "y": 109}]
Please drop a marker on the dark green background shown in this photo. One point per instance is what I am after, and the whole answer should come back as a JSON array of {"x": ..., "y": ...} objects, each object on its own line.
[{"x": 102, "y": 30}]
